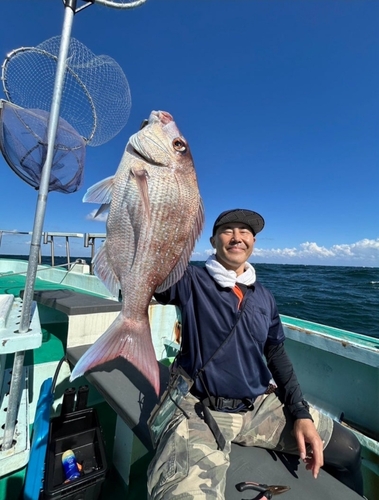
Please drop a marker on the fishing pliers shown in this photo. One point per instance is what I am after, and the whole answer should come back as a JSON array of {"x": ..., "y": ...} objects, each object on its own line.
[{"x": 265, "y": 490}]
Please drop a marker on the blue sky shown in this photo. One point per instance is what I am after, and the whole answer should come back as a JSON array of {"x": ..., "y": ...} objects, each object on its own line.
[{"x": 278, "y": 99}]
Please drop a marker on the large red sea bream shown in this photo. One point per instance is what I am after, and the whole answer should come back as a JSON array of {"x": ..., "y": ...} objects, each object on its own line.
[{"x": 155, "y": 217}]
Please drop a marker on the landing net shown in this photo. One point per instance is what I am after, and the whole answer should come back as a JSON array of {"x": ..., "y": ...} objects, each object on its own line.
[
  {"x": 95, "y": 106},
  {"x": 96, "y": 98}
]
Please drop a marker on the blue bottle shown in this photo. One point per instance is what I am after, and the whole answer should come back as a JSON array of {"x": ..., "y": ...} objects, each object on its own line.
[{"x": 70, "y": 465}]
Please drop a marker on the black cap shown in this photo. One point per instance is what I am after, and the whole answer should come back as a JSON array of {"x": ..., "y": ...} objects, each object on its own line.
[{"x": 251, "y": 219}]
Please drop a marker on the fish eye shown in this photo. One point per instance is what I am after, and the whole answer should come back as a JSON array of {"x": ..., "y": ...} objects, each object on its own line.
[
  {"x": 179, "y": 145},
  {"x": 143, "y": 124}
]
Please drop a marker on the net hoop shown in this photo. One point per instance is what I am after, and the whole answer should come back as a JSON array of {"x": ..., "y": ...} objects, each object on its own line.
[
  {"x": 95, "y": 96},
  {"x": 120, "y": 4},
  {"x": 35, "y": 50}
]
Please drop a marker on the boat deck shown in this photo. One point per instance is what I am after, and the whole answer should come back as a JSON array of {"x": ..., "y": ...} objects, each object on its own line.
[
  {"x": 282, "y": 469},
  {"x": 53, "y": 349}
]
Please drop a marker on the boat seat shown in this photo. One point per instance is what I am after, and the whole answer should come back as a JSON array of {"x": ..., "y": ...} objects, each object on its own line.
[
  {"x": 67, "y": 301},
  {"x": 127, "y": 392},
  {"x": 263, "y": 466},
  {"x": 88, "y": 315}
]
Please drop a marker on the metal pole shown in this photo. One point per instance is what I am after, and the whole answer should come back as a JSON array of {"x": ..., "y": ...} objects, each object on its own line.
[
  {"x": 15, "y": 388},
  {"x": 68, "y": 253},
  {"x": 52, "y": 251}
]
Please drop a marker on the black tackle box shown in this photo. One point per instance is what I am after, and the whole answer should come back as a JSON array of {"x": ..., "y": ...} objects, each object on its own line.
[{"x": 80, "y": 432}]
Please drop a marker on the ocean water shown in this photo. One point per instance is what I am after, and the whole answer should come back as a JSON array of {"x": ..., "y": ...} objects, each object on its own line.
[{"x": 343, "y": 297}]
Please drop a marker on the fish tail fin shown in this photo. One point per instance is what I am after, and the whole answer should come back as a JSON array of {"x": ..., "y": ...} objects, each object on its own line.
[{"x": 126, "y": 339}]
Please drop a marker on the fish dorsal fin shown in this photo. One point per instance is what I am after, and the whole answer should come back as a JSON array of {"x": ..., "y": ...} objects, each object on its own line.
[
  {"x": 178, "y": 271},
  {"x": 104, "y": 271},
  {"x": 141, "y": 177},
  {"x": 101, "y": 192}
]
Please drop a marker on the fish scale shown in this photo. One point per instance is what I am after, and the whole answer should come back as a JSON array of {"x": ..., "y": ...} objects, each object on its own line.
[{"x": 155, "y": 217}]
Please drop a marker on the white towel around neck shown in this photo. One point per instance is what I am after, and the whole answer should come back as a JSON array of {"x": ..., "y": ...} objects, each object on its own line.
[{"x": 227, "y": 279}]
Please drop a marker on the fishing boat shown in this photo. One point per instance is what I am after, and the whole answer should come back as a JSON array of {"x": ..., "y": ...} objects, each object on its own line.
[
  {"x": 338, "y": 371},
  {"x": 50, "y": 315}
]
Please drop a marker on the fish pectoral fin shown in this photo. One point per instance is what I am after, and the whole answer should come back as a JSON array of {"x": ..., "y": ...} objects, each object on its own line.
[
  {"x": 127, "y": 339},
  {"x": 103, "y": 208},
  {"x": 104, "y": 271},
  {"x": 178, "y": 271},
  {"x": 141, "y": 176},
  {"x": 101, "y": 192}
]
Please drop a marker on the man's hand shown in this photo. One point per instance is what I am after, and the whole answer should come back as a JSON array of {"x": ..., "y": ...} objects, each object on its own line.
[{"x": 306, "y": 433}]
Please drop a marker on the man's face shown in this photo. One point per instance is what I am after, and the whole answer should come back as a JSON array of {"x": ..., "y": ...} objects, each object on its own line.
[{"x": 234, "y": 243}]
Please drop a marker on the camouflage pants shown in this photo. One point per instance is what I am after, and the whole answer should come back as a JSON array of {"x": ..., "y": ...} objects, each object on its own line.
[{"x": 188, "y": 465}]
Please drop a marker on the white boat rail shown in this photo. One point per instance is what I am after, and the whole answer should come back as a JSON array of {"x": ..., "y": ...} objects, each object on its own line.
[
  {"x": 50, "y": 237},
  {"x": 90, "y": 241}
]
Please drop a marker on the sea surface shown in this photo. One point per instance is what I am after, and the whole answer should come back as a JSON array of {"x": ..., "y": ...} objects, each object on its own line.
[{"x": 343, "y": 297}]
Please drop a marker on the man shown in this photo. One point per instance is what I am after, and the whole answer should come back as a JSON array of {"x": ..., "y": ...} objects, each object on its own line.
[{"x": 233, "y": 349}]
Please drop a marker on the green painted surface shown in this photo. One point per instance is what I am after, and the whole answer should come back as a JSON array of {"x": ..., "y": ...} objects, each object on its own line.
[
  {"x": 57, "y": 277},
  {"x": 13, "y": 283},
  {"x": 308, "y": 326},
  {"x": 11, "y": 486}
]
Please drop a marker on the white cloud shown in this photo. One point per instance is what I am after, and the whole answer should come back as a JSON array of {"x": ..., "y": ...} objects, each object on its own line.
[
  {"x": 209, "y": 252},
  {"x": 202, "y": 255},
  {"x": 362, "y": 253},
  {"x": 100, "y": 218}
]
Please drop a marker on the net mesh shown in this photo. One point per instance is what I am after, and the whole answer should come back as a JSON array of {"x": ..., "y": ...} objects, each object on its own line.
[
  {"x": 23, "y": 142},
  {"x": 96, "y": 98}
]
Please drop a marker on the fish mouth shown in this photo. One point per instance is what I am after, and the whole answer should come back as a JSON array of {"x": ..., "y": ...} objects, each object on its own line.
[{"x": 163, "y": 116}]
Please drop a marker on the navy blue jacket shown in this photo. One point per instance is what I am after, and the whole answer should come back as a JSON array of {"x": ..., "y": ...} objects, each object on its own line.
[{"x": 209, "y": 313}]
